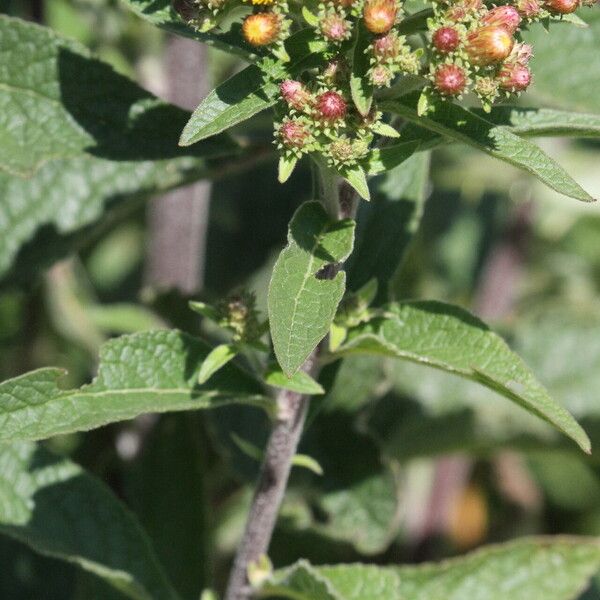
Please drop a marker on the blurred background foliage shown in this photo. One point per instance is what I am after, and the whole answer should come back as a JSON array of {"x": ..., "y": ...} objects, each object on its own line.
[{"x": 418, "y": 465}]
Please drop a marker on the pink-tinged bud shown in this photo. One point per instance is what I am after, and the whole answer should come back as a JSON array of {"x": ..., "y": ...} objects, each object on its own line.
[
  {"x": 529, "y": 9},
  {"x": 521, "y": 54},
  {"x": 293, "y": 134},
  {"x": 387, "y": 46},
  {"x": 563, "y": 7},
  {"x": 344, "y": 3},
  {"x": 450, "y": 80},
  {"x": 445, "y": 39},
  {"x": 335, "y": 28},
  {"x": 294, "y": 94},
  {"x": 381, "y": 76},
  {"x": 261, "y": 29},
  {"x": 380, "y": 15},
  {"x": 489, "y": 44},
  {"x": 503, "y": 16},
  {"x": 462, "y": 10},
  {"x": 331, "y": 106},
  {"x": 514, "y": 78}
]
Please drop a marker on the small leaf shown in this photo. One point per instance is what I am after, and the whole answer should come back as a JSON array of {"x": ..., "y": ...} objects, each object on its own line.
[
  {"x": 460, "y": 124},
  {"x": 154, "y": 371},
  {"x": 307, "y": 285},
  {"x": 307, "y": 462},
  {"x": 217, "y": 358},
  {"x": 58, "y": 510},
  {"x": 489, "y": 571},
  {"x": 384, "y": 129},
  {"x": 356, "y": 177},
  {"x": 286, "y": 167},
  {"x": 337, "y": 335},
  {"x": 206, "y": 310},
  {"x": 448, "y": 338},
  {"x": 360, "y": 85},
  {"x": 310, "y": 17},
  {"x": 300, "y": 382}
]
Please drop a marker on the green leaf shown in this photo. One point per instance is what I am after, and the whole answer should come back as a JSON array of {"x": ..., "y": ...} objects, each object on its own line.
[
  {"x": 360, "y": 85},
  {"x": 162, "y": 14},
  {"x": 448, "y": 338},
  {"x": 146, "y": 372},
  {"x": 549, "y": 568},
  {"x": 384, "y": 129},
  {"x": 388, "y": 224},
  {"x": 306, "y": 286},
  {"x": 286, "y": 167},
  {"x": 59, "y": 102},
  {"x": 357, "y": 178},
  {"x": 53, "y": 506},
  {"x": 250, "y": 91},
  {"x": 565, "y": 71},
  {"x": 300, "y": 382},
  {"x": 389, "y": 157},
  {"x": 166, "y": 488},
  {"x": 216, "y": 359},
  {"x": 123, "y": 318},
  {"x": 460, "y": 124}
]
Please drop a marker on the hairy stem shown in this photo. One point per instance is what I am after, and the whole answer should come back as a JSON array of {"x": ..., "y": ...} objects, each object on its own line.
[{"x": 292, "y": 407}]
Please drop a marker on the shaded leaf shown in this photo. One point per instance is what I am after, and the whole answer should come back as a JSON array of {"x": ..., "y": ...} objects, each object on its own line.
[
  {"x": 451, "y": 339},
  {"x": 307, "y": 285},
  {"x": 147, "y": 372},
  {"x": 215, "y": 360},
  {"x": 53, "y": 506},
  {"x": 299, "y": 382},
  {"x": 360, "y": 86},
  {"x": 389, "y": 157}
]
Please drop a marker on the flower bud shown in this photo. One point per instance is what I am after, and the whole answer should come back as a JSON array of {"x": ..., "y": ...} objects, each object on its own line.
[
  {"x": 343, "y": 3},
  {"x": 261, "y": 29},
  {"x": 503, "y": 16},
  {"x": 445, "y": 39},
  {"x": 293, "y": 134},
  {"x": 514, "y": 78},
  {"x": 563, "y": 7},
  {"x": 335, "y": 28},
  {"x": 450, "y": 80},
  {"x": 381, "y": 76},
  {"x": 331, "y": 106},
  {"x": 521, "y": 53},
  {"x": 387, "y": 46},
  {"x": 380, "y": 15},
  {"x": 460, "y": 11},
  {"x": 342, "y": 151},
  {"x": 528, "y": 9},
  {"x": 489, "y": 44},
  {"x": 294, "y": 94}
]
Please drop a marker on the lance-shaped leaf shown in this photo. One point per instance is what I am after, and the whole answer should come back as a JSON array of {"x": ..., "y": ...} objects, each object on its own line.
[
  {"x": 53, "y": 506},
  {"x": 449, "y": 338},
  {"x": 162, "y": 13},
  {"x": 153, "y": 371},
  {"x": 58, "y": 102},
  {"x": 250, "y": 91},
  {"x": 360, "y": 85},
  {"x": 458, "y": 123},
  {"x": 307, "y": 283},
  {"x": 550, "y": 568}
]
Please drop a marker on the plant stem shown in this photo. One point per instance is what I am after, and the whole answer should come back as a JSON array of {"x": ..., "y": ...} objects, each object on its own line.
[{"x": 340, "y": 201}]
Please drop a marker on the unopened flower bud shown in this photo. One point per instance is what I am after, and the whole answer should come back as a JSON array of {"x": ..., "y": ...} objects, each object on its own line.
[
  {"x": 486, "y": 88},
  {"x": 380, "y": 15},
  {"x": 563, "y": 7},
  {"x": 528, "y": 9},
  {"x": 342, "y": 151},
  {"x": 381, "y": 76},
  {"x": 521, "y": 54},
  {"x": 331, "y": 106},
  {"x": 489, "y": 44},
  {"x": 294, "y": 94},
  {"x": 387, "y": 46},
  {"x": 514, "y": 78},
  {"x": 293, "y": 134},
  {"x": 445, "y": 39},
  {"x": 343, "y": 3},
  {"x": 503, "y": 16},
  {"x": 335, "y": 28},
  {"x": 450, "y": 80},
  {"x": 261, "y": 29},
  {"x": 462, "y": 10}
]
